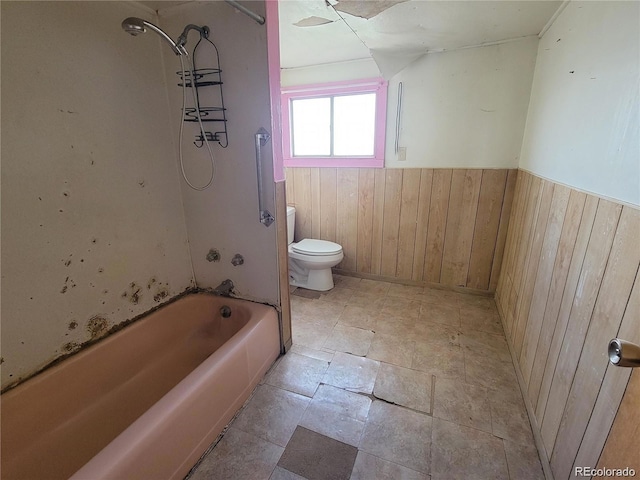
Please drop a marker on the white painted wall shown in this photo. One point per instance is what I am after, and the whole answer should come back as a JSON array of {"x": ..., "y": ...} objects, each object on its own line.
[
  {"x": 91, "y": 205},
  {"x": 225, "y": 216},
  {"x": 464, "y": 108},
  {"x": 332, "y": 72},
  {"x": 461, "y": 109},
  {"x": 582, "y": 128}
]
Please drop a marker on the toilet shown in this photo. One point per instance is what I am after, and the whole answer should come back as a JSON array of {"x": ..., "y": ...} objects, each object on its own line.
[{"x": 310, "y": 260}]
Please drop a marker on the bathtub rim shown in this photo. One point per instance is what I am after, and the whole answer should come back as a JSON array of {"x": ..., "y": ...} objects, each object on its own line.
[
  {"x": 114, "y": 329},
  {"x": 152, "y": 419}
]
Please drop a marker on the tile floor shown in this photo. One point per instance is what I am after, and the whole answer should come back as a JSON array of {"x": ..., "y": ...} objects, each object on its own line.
[{"x": 384, "y": 381}]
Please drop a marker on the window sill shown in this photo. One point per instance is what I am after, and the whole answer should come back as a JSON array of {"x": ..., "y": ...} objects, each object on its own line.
[{"x": 333, "y": 162}]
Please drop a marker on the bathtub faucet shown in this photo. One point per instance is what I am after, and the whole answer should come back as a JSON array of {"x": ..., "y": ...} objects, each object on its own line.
[{"x": 224, "y": 288}]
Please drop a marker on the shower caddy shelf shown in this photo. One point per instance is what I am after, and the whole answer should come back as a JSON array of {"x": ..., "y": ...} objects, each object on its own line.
[{"x": 206, "y": 77}]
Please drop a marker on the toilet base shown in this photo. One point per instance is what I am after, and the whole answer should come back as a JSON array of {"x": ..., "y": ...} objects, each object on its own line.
[{"x": 319, "y": 280}]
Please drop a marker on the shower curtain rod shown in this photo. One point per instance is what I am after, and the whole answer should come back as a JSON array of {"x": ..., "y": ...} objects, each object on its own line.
[{"x": 246, "y": 11}]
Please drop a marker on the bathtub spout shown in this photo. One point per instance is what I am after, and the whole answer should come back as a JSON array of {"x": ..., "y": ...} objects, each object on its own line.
[{"x": 224, "y": 288}]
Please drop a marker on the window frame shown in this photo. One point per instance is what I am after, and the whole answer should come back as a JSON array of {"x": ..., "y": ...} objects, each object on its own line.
[{"x": 334, "y": 89}]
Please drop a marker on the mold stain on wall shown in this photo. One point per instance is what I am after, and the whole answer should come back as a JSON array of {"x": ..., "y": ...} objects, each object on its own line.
[
  {"x": 71, "y": 347},
  {"x": 97, "y": 327},
  {"x": 68, "y": 283},
  {"x": 133, "y": 293},
  {"x": 161, "y": 289}
]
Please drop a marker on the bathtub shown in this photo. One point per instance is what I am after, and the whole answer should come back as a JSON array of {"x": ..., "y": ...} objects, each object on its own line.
[{"x": 145, "y": 402}]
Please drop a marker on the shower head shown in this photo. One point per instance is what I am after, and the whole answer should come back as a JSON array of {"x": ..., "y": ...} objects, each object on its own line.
[
  {"x": 136, "y": 26},
  {"x": 133, "y": 25}
]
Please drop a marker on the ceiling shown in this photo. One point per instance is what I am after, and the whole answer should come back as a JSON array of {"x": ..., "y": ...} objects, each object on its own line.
[
  {"x": 315, "y": 32},
  {"x": 395, "y": 32}
]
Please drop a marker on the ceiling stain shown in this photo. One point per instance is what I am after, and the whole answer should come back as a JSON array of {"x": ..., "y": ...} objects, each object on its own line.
[
  {"x": 365, "y": 8},
  {"x": 312, "y": 21}
]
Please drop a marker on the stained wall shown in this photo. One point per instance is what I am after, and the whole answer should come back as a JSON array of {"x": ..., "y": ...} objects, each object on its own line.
[
  {"x": 225, "y": 217},
  {"x": 93, "y": 230}
]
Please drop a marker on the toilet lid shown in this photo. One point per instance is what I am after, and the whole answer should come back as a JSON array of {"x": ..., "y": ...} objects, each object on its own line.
[{"x": 310, "y": 246}]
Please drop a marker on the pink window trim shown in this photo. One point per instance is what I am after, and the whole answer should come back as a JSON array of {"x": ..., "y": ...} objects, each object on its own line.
[{"x": 372, "y": 85}]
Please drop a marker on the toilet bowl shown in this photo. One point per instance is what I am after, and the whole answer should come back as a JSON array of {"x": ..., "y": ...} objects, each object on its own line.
[{"x": 310, "y": 260}]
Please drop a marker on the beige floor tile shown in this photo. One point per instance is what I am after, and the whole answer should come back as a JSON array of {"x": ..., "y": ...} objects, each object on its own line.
[
  {"x": 355, "y": 341},
  {"x": 440, "y": 360},
  {"x": 410, "y": 292},
  {"x": 360, "y": 317},
  {"x": 308, "y": 294},
  {"x": 509, "y": 417},
  {"x": 337, "y": 413},
  {"x": 298, "y": 374},
  {"x": 282, "y": 474},
  {"x": 311, "y": 352},
  {"x": 239, "y": 456},
  {"x": 440, "y": 297},
  {"x": 486, "y": 344},
  {"x": 356, "y": 374},
  {"x": 392, "y": 349},
  {"x": 489, "y": 372},
  {"x": 401, "y": 307},
  {"x": 445, "y": 314},
  {"x": 398, "y": 435},
  {"x": 427, "y": 332},
  {"x": 299, "y": 304},
  {"x": 323, "y": 313},
  {"x": 477, "y": 318},
  {"x": 488, "y": 303},
  {"x": 346, "y": 281},
  {"x": 403, "y": 386},
  {"x": 338, "y": 294},
  {"x": 398, "y": 325},
  {"x": 369, "y": 301},
  {"x": 310, "y": 334},
  {"x": 272, "y": 414},
  {"x": 462, "y": 403},
  {"x": 523, "y": 461},
  {"x": 460, "y": 452},
  {"x": 370, "y": 467},
  {"x": 373, "y": 286},
  {"x": 479, "y": 424},
  {"x": 318, "y": 457}
]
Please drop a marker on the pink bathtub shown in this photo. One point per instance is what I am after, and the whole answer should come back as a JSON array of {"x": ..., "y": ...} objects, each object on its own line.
[{"x": 144, "y": 403}]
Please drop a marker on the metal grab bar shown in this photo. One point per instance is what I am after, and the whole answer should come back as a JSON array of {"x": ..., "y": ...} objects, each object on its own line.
[
  {"x": 262, "y": 137},
  {"x": 398, "y": 113}
]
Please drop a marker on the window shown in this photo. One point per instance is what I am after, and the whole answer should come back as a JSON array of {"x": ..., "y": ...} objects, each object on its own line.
[{"x": 335, "y": 124}]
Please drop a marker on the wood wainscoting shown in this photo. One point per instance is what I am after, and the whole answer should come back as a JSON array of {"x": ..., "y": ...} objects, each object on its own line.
[
  {"x": 434, "y": 226},
  {"x": 569, "y": 284}
]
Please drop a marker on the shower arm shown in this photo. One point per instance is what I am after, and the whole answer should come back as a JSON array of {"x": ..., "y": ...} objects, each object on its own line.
[
  {"x": 182, "y": 39},
  {"x": 177, "y": 49},
  {"x": 246, "y": 11}
]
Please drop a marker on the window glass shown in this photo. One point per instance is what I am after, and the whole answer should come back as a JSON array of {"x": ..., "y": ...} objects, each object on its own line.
[
  {"x": 339, "y": 124},
  {"x": 354, "y": 122},
  {"x": 311, "y": 126}
]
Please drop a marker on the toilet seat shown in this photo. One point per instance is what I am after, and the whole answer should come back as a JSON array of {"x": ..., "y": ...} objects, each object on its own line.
[{"x": 314, "y": 247}]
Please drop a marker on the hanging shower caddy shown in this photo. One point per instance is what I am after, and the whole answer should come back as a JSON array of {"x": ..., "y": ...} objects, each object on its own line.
[{"x": 211, "y": 76}]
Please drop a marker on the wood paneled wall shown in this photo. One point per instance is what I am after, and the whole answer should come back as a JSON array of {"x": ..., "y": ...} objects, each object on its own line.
[
  {"x": 445, "y": 226},
  {"x": 569, "y": 284}
]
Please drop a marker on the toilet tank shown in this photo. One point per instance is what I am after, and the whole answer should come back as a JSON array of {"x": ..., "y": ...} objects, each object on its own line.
[{"x": 291, "y": 223}]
